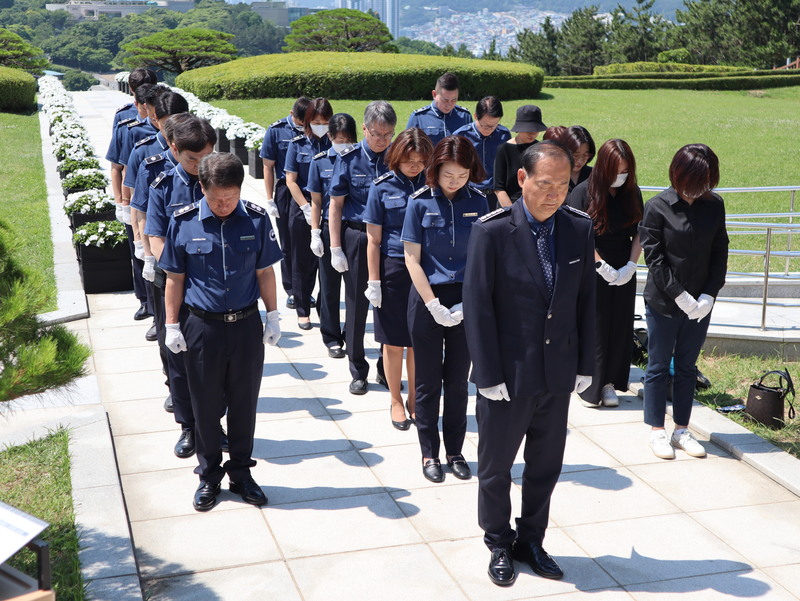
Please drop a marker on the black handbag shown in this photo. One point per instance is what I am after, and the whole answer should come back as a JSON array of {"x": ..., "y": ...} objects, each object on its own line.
[{"x": 765, "y": 404}]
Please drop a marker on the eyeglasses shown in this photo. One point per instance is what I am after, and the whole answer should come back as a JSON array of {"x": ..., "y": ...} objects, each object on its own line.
[{"x": 387, "y": 136}]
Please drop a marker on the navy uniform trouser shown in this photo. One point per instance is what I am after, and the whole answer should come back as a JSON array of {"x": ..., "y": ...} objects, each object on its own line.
[
  {"x": 356, "y": 304},
  {"x": 442, "y": 359},
  {"x": 136, "y": 267},
  {"x": 282, "y": 198},
  {"x": 542, "y": 421},
  {"x": 329, "y": 297},
  {"x": 304, "y": 262},
  {"x": 224, "y": 365}
]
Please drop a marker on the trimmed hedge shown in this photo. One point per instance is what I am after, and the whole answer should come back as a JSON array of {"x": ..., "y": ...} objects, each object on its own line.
[
  {"x": 673, "y": 75},
  {"x": 650, "y": 67},
  {"x": 708, "y": 83},
  {"x": 359, "y": 76},
  {"x": 17, "y": 89}
]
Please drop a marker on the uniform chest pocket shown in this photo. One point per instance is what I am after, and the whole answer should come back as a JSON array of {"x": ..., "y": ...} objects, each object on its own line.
[
  {"x": 467, "y": 219},
  {"x": 432, "y": 221},
  {"x": 283, "y": 144},
  {"x": 245, "y": 246},
  {"x": 395, "y": 212},
  {"x": 303, "y": 157},
  {"x": 199, "y": 247},
  {"x": 360, "y": 181},
  {"x": 434, "y": 130}
]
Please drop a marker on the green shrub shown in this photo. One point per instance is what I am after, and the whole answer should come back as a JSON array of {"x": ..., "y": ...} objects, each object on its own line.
[
  {"x": 359, "y": 76},
  {"x": 78, "y": 81},
  {"x": 17, "y": 89},
  {"x": 679, "y": 55},
  {"x": 706, "y": 83},
  {"x": 650, "y": 67},
  {"x": 552, "y": 81}
]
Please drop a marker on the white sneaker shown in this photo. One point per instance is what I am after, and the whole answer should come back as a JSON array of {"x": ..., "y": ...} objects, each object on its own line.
[
  {"x": 688, "y": 443},
  {"x": 659, "y": 444},
  {"x": 608, "y": 396}
]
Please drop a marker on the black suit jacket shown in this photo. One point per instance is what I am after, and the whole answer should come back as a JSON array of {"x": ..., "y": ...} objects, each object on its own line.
[{"x": 514, "y": 334}]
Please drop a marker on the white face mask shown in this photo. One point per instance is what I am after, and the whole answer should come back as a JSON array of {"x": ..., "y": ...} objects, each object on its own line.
[
  {"x": 621, "y": 178},
  {"x": 319, "y": 130},
  {"x": 340, "y": 146},
  {"x": 296, "y": 126}
]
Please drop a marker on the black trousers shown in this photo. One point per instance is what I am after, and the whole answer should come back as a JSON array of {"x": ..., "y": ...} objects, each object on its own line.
[
  {"x": 502, "y": 425},
  {"x": 304, "y": 263},
  {"x": 282, "y": 198},
  {"x": 224, "y": 365},
  {"x": 441, "y": 358},
  {"x": 330, "y": 293},
  {"x": 356, "y": 304},
  {"x": 136, "y": 268}
]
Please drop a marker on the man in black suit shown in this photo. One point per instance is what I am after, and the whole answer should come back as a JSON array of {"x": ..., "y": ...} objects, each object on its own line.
[{"x": 529, "y": 315}]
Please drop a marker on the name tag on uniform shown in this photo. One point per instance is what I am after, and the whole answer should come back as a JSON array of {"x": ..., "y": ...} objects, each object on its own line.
[
  {"x": 247, "y": 237},
  {"x": 198, "y": 239},
  {"x": 573, "y": 261},
  {"x": 469, "y": 214}
]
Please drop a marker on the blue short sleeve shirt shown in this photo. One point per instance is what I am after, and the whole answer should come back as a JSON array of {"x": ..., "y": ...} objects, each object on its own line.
[
  {"x": 276, "y": 143},
  {"x": 300, "y": 154},
  {"x": 486, "y": 147},
  {"x": 353, "y": 173},
  {"x": 144, "y": 148},
  {"x": 150, "y": 169},
  {"x": 319, "y": 177},
  {"x": 175, "y": 190},
  {"x": 386, "y": 207},
  {"x": 436, "y": 124}
]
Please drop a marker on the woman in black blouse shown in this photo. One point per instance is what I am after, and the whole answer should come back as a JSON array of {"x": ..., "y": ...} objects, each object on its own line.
[
  {"x": 613, "y": 200},
  {"x": 686, "y": 250},
  {"x": 508, "y": 160}
]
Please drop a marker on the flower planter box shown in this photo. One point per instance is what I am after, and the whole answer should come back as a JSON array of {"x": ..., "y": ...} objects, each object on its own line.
[
  {"x": 105, "y": 269},
  {"x": 78, "y": 219},
  {"x": 223, "y": 144},
  {"x": 68, "y": 191},
  {"x": 255, "y": 165},
  {"x": 238, "y": 148}
]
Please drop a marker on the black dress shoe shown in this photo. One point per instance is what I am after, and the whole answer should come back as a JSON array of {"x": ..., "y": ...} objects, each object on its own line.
[
  {"x": 358, "y": 386},
  {"x": 224, "y": 441},
  {"x": 290, "y": 301},
  {"x": 168, "y": 406},
  {"x": 536, "y": 557},
  {"x": 151, "y": 335},
  {"x": 459, "y": 466},
  {"x": 185, "y": 446},
  {"x": 403, "y": 425},
  {"x": 381, "y": 380},
  {"x": 249, "y": 491},
  {"x": 313, "y": 302},
  {"x": 141, "y": 313},
  {"x": 205, "y": 497},
  {"x": 336, "y": 352},
  {"x": 501, "y": 568},
  {"x": 305, "y": 325},
  {"x": 432, "y": 470}
]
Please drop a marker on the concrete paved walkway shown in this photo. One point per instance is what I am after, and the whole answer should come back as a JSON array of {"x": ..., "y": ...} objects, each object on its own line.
[{"x": 351, "y": 517}]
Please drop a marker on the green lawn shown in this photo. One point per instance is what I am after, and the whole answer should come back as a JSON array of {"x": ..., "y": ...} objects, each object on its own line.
[{"x": 23, "y": 197}]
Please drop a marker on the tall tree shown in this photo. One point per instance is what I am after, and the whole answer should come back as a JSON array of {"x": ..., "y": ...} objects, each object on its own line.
[
  {"x": 19, "y": 54},
  {"x": 492, "y": 54},
  {"x": 538, "y": 48},
  {"x": 338, "y": 30},
  {"x": 638, "y": 34},
  {"x": 461, "y": 52},
  {"x": 581, "y": 42},
  {"x": 409, "y": 46},
  {"x": 180, "y": 50}
]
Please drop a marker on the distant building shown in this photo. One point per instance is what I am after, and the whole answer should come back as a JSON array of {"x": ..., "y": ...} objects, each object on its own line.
[
  {"x": 277, "y": 12},
  {"x": 92, "y": 9},
  {"x": 388, "y": 11}
]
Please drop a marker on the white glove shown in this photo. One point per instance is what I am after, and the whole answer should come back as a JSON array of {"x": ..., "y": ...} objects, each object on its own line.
[
  {"x": 686, "y": 303},
  {"x": 457, "y": 311},
  {"x": 373, "y": 293},
  {"x": 338, "y": 260},
  {"x": 272, "y": 329},
  {"x": 272, "y": 208},
  {"x": 316, "y": 243},
  {"x": 118, "y": 211},
  {"x": 138, "y": 249},
  {"x": 306, "y": 208},
  {"x": 149, "y": 269},
  {"x": 442, "y": 315},
  {"x": 582, "y": 383},
  {"x": 126, "y": 214},
  {"x": 496, "y": 393},
  {"x": 174, "y": 339},
  {"x": 608, "y": 273},
  {"x": 704, "y": 305},
  {"x": 626, "y": 272}
]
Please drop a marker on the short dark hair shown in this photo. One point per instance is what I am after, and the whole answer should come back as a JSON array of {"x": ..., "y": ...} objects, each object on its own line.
[
  {"x": 193, "y": 134},
  {"x": 694, "y": 171},
  {"x": 154, "y": 93},
  {"x": 171, "y": 103},
  {"x": 140, "y": 95},
  {"x": 408, "y": 141},
  {"x": 342, "y": 123},
  {"x": 489, "y": 106},
  {"x": 319, "y": 107},
  {"x": 582, "y": 136},
  {"x": 139, "y": 76},
  {"x": 299, "y": 108},
  {"x": 173, "y": 121},
  {"x": 447, "y": 81},
  {"x": 455, "y": 149},
  {"x": 543, "y": 150},
  {"x": 222, "y": 170}
]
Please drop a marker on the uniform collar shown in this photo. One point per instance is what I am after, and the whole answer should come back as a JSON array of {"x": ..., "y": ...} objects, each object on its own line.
[
  {"x": 538, "y": 227},
  {"x": 416, "y": 182},
  {"x": 460, "y": 195},
  {"x": 205, "y": 210},
  {"x": 370, "y": 154},
  {"x": 170, "y": 157},
  {"x": 185, "y": 177},
  {"x": 162, "y": 141}
]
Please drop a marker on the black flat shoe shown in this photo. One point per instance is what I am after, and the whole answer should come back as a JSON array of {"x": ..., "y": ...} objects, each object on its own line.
[
  {"x": 403, "y": 425},
  {"x": 501, "y": 568},
  {"x": 336, "y": 352},
  {"x": 151, "y": 335},
  {"x": 141, "y": 313},
  {"x": 537, "y": 558},
  {"x": 249, "y": 491},
  {"x": 304, "y": 325},
  {"x": 432, "y": 470},
  {"x": 185, "y": 446},
  {"x": 205, "y": 497},
  {"x": 290, "y": 302},
  {"x": 459, "y": 466},
  {"x": 358, "y": 387},
  {"x": 168, "y": 406}
]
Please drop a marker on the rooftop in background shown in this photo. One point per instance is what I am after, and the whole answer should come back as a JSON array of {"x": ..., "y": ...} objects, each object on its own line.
[{"x": 92, "y": 9}]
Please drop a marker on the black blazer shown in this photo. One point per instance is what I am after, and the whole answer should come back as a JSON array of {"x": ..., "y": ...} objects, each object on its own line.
[{"x": 514, "y": 334}]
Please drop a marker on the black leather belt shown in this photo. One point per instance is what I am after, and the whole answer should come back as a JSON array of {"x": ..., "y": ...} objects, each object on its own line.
[
  {"x": 356, "y": 225},
  {"x": 232, "y": 317}
]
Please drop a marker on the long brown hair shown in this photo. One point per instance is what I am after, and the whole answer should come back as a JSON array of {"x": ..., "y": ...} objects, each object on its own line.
[{"x": 609, "y": 158}]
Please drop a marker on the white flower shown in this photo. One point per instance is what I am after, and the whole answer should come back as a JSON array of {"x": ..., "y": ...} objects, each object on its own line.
[{"x": 122, "y": 76}]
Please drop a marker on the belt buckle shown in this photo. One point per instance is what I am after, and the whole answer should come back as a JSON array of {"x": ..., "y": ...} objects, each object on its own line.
[{"x": 230, "y": 317}]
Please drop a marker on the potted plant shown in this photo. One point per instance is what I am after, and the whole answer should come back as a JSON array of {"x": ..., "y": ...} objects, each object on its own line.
[
  {"x": 221, "y": 121},
  {"x": 104, "y": 257},
  {"x": 90, "y": 205},
  {"x": 243, "y": 137},
  {"x": 254, "y": 163},
  {"x": 75, "y": 148},
  {"x": 68, "y": 166},
  {"x": 84, "y": 179}
]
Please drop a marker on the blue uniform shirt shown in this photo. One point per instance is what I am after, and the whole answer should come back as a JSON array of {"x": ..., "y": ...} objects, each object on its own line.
[
  {"x": 117, "y": 134},
  {"x": 134, "y": 133},
  {"x": 352, "y": 176},
  {"x": 170, "y": 191},
  {"x": 319, "y": 177},
  {"x": 543, "y": 228},
  {"x": 486, "y": 147},
  {"x": 442, "y": 227},
  {"x": 141, "y": 150},
  {"x": 126, "y": 111},
  {"x": 386, "y": 206},
  {"x": 220, "y": 258},
  {"x": 150, "y": 169},
  {"x": 300, "y": 153},
  {"x": 276, "y": 143},
  {"x": 436, "y": 124}
]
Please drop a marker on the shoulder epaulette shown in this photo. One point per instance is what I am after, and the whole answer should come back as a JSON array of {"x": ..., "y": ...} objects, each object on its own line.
[
  {"x": 276, "y": 124},
  {"x": 156, "y": 158},
  {"x": 383, "y": 177},
  {"x": 420, "y": 191},
  {"x": 187, "y": 209},
  {"x": 319, "y": 155},
  {"x": 256, "y": 208},
  {"x": 144, "y": 141},
  {"x": 576, "y": 211},
  {"x": 495, "y": 213},
  {"x": 124, "y": 107},
  {"x": 126, "y": 121},
  {"x": 461, "y": 108},
  {"x": 136, "y": 124},
  {"x": 157, "y": 182},
  {"x": 474, "y": 188},
  {"x": 347, "y": 151},
  {"x": 297, "y": 138},
  {"x": 422, "y": 109}
]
